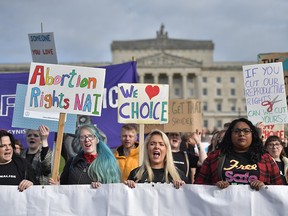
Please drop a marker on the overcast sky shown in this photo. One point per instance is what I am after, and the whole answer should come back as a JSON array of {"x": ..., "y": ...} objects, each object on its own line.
[{"x": 85, "y": 29}]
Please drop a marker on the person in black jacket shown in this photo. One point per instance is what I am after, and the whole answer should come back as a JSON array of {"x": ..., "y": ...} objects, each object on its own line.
[
  {"x": 14, "y": 170},
  {"x": 95, "y": 164}
]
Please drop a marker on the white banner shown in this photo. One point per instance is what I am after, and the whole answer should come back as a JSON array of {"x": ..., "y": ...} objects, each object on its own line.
[{"x": 145, "y": 199}]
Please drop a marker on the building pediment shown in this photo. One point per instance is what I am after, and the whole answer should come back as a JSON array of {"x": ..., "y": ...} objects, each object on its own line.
[{"x": 167, "y": 60}]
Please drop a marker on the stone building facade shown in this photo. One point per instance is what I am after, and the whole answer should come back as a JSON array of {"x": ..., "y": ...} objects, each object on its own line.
[{"x": 189, "y": 69}]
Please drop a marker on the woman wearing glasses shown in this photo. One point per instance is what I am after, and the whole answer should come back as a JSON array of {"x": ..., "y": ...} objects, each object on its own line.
[
  {"x": 94, "y": 164},
  {"x": 240, "y": 160},
  {"x": 274, "y": 146}
]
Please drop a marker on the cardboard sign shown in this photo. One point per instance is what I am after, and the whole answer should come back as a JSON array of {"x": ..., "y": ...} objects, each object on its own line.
[
  {"x": 42, "y": 47},
  {"x": 184, "y": 116},
  {"x": 65, "y": 89},
  {"x": 265, "y": 93},
  {"x": 143, "y": 103},
  {"x": 276, "y": 130}
]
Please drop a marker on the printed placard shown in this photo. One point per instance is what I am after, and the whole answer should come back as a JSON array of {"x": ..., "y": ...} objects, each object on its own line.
[
  {"x": 143, "y": 103},
  {"x": 42, "y": 47},
  {"x": 265, "y": 93},
  {"x": 65, "y": 89}
]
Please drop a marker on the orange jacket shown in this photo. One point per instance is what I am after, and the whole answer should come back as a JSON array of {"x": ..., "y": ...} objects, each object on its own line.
[{"x": 127, "y": 164}]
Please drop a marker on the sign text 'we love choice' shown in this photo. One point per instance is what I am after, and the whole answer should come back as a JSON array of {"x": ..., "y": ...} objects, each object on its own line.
[{"x": 143, "y": 103}]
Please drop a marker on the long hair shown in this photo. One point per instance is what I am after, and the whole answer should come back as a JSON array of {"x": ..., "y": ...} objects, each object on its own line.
[
  {"x": 169, "y": 167},
  {"x": 104, "y": 168},
  {"x": 256, "y": 149},
  {"x": 275, "y": 138}
]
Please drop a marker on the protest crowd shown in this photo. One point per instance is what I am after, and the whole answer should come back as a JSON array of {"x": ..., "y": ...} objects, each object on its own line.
[
  {"x": 239, "y": 153},
  {"x": 239, "y": 156}
]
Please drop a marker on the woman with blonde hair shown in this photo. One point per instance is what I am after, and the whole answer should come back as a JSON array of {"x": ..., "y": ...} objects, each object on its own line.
[{"x": 158, "y": 165}]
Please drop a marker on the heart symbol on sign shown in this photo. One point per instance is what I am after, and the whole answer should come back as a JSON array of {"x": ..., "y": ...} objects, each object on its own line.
[{"x": 152, "y": 91}]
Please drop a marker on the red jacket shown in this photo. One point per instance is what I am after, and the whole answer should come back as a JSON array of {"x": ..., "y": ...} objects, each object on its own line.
[{"x": 211, "y": 170}]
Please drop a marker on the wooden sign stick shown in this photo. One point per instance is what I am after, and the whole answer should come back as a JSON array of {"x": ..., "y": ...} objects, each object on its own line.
[
  {"x": 141, "y": 143},
  {"x": 58, "y": 147}
]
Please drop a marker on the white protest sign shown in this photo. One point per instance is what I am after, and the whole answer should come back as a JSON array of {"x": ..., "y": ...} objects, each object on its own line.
[
  {"x": 65, "y": 89},
  {"x": 143, "y": 103},
  {"x": 265, "y": 93},
  {"x": 42, "y": 47}
]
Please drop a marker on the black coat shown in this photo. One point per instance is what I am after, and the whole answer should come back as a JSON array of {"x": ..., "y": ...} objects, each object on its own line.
[
  {"x": 76, "y": 171},
  {"x": 25, "y": 169}
]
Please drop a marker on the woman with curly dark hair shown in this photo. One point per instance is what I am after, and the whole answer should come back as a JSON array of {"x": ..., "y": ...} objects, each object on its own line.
[{"x": 241, "y": 159}]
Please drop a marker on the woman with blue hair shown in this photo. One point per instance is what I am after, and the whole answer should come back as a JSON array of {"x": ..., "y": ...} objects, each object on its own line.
[{"x": 94, "y": 164}]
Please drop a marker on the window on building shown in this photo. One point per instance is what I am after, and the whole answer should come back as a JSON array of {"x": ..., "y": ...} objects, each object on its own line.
[
  {"x": 219, "y": 106},
  {"x": 232, "y": 79},
  {"x": 218, "y": 79},
  {"x": 163, "y": 79},
  {"x": 148, "y": 78},
  {"x": 233, "y": 108},
  {"x": 204, "y": 106},
  {"x": 205, "y": 123},
  {"x": 232, "y": 92},
  {"x": 191, "y": 92},
  {"x": 190, "y": 78},
  {"x": 177, "y": 92},
  {"x": 204, "y": 79},
  {"x": 219, "y": 123},
  {"x": 204, "y": 91},
  {"x": 177, "y": 79},
  {"x": 219, "y": 92}
]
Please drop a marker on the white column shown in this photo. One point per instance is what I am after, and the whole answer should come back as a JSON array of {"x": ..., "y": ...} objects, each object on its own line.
[
  {"x": 155, "y": 76},
  {"x": 170, "y": 83},
  {"x": 184, "y": 85},
  {"x": 198, "y": 86},
  {"x": 141, "y": 78}
]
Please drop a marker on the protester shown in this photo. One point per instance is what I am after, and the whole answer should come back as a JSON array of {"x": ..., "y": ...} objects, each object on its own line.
[
  {"x": 260, "y": 128},
  {"x": 184, "y": 160},
  {"x": 241, "y": 159},
  {"x": 127, "y": 154},
  {"x": 275, "y": 147},
  {"x": 216, "y": 140},
  {"x": 18, "y": 147},
  {"x": 38, "y": 153},
  {"x": 14, "y": 170},
  {"x": 94, "y": 164},
  {"x": 157, "y": 163},
  {"x": 188, "y": 143}
]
